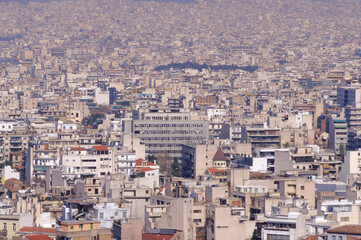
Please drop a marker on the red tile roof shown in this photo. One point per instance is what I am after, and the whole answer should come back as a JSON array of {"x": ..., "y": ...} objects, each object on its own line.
[
  {"x": 100, "y": 148},
  {"x": 214, "y": 170},
  {"x": 347, "y": 229},
  {"x": 78, "y": 149},
  {"x": 38, "y": 237},
  {"x": 146, "y": 169},
  {"x": 142, "y": 162},
  {"x": 353, "y": 238},
  {"x": 150, "y": 236},
  {"x": 38, "y": 230},
  {"x": 314, "y": 237}
]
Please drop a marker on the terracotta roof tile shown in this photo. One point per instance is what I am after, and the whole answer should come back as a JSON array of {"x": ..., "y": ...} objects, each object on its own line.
[
  {"x": 100, "y": 148},
  {"x": 353, "y": 238},
  {"x": 142, "y": 162},
  {"x": 38, "y": 237},
  {"x": 346, "y": 229},
  {"x": 150, "y": 236},
  {"x": 78, "y": 149},
  {"x": 145, "y": 169},
  {"x": 38, "y": 230},
  {"x": 214, "y": 170},
  {"x": 314, "y": 237}
]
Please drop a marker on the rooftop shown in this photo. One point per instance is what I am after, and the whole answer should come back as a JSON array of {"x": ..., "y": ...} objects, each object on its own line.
[
  {"x": 347, "y": 229},
  {"x": 38, "y": 230}
]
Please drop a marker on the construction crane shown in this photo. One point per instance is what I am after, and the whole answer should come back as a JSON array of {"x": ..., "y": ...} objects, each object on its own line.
[
  {"x": 132, "y": 91},
  {"x": 69, "y": 104}
]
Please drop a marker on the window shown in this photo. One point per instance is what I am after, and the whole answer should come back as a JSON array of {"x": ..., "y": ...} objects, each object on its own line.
[
  {"x": 71, "y": 227},
  {"x": 277, "y": 237},
  {"x": 91, "y": 226},
  {"x": 302, "y": 187},
  {"x": 101, "y": 215},
  {"x": 14, "y": 226},
  {"x": 81, "y": 226}
]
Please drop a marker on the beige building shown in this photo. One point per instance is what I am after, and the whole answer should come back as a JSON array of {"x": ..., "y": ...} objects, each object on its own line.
[
  {"x": 98, "y": 160},
  {"x": 11, "y": 223},
  {"x": 82, "y": 230},
  {"x": 226, "y": 222},
  {"x": 236, "y": 177},
  {"x": 130, "y": 229},
  {"x": 197, "y": 159},
  {"x": 297, "y": 137},
  {"x": 174, "y": 213},
  {"x": 300, "y": 187}
]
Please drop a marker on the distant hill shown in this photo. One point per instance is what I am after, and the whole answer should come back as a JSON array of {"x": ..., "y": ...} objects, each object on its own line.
[
  {"x": 165, "y": 1},
  {"x": 28, "y": 1},
  {"x": 199, "y": 67}
]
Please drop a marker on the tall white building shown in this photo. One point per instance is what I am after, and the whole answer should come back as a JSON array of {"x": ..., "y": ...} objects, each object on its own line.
[
  {"x": 351, "y": 167},
  {"x": 98, "y": 160}
]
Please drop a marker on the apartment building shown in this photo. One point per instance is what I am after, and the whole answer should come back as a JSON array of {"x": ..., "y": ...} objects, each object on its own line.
[
  {"x": 196, "y": 159},
  {"x": 163, "y": 131},
  {"x": 40, "y": 158},
  {"x": 98, "y": 160},
  {"x": 109, "y": 212},
  {"x": 260, "y": 136},
  {"x": 79, "y": 230},
  {"x": 223, "y": 220},
  {"x": 290, "y": 227},
  {"x": 297, "y": 187},
  {"x": 338, "y": 135}
]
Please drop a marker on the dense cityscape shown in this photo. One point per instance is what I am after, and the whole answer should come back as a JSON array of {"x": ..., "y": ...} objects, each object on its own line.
[{"x": 180, "y": 120}]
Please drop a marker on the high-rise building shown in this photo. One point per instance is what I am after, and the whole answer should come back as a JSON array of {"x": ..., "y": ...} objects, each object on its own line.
[
  {"x": 338, "y": 135},
  {"x": 163, "y": 131},
  {"x": 348, "y": 95},
  {"x": 353, "y": 116}
]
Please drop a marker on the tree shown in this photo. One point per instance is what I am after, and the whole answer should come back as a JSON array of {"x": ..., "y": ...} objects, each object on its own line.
[
  {"x": 93, "y": 120},
  {"x": 286, "y": 145},
  {"x": 342, "y": 150},
  {"x": 176, "y": 168},
  {"x": 164, "y": 161},
  {"x": 254, "y": 235},
  {"x": 151, "y": 158},
  {"x": 104, "y": 109}
]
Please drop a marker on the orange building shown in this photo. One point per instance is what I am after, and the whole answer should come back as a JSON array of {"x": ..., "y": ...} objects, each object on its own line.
[{"x": 82, "y": 230}]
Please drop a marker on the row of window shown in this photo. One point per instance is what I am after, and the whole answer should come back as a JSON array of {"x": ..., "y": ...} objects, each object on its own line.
[
  {"x": 183, "y": 132},
  {"x": 162, "y": 152},
  {"x": 172, "y": 138},
  {"x": 168, "y": 125}
]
